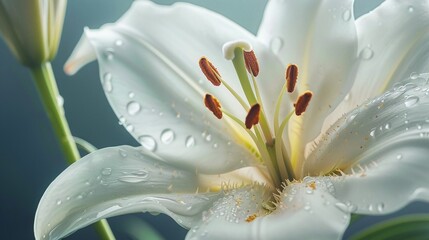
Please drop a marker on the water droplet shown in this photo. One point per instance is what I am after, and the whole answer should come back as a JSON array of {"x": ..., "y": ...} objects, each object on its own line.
[
  {"x": 107, "y": 82},
  {"x": 347, "y": 97},
  {"x": 129, "y": 128},
  {"x": 60, "y": 101},
  {"x": 106, "y": 171},
  {"x": 399, "y": 156},
  {"x": 119, "y": 42},
  {"x": 366, "y": 54},
  {"x": 411, "y": 101},
  {"x": 352, "y": 116},
  {"x": 190, "y": 141},
  {"x": 141, "y": 173},
  {"x": 387, "y": 126},
  {"x": 215, "y": 145},
  {"x": 109, "y": 53},
  {"x": 419, "y": 127},
  {"x": 59, "y": 202},
  {"x": 134, "y": 178},
  {"x": 410, "y": 9},
  {"x": 309, "y": 191},
  {"x": 208, "y": 138},
  {"x": 380, "y": 207},
  {"x": 414, "y": 75},
  {"x": 343, "y": 207},
  {"x": 372, "y": 133},
  {"x": 148, "y": 142},
  {"x": 123, "y": 153},
  {"x": 133, "y": 108},
  {"x": 167, "y": 136},
  {"x": 131, "y": 94},
  {"x": 307, "y": 208},
  {"x": 276, "y": 44},
  {"x": 347, "y": 15}
]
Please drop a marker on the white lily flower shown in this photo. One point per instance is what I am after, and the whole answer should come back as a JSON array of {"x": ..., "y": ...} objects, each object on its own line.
[
  {"x": 32, "y": 29},
  {"x": 238, "y": 177}
]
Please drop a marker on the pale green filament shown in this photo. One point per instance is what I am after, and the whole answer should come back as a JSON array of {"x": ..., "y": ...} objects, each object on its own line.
[
  {"x": 261, "y": 147},
  {"x": 272, "y": 150},
  {"x": 240, "y": 68}
]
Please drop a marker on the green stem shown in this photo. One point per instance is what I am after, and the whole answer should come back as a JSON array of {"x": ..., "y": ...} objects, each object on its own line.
[{"x": 48, "y": 91}]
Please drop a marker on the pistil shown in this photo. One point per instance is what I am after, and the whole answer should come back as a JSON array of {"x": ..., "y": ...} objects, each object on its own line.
[{"x": 271, "y": 149}]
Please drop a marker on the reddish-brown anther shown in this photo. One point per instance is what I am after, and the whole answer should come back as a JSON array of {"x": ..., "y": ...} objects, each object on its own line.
[
  {"x": 210, "y": 71},
  {"x": 251, "y": 62},
  {"x": 291, "y": 77},
  {"x": 252, "y": 117},
  {"x": 213, "y": 105},
  {"x": 302, "y": 103}
]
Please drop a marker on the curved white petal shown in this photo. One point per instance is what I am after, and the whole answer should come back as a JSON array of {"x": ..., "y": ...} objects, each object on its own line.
[
  {"x": 305, "y": 211},
  {"x": 320, "y": 38},
  {"x": 149, "y": 69},
  {"x": 383, "y": 147},
  {"x": 393, "y": 44},
  {"x": 116, "y": 181}
]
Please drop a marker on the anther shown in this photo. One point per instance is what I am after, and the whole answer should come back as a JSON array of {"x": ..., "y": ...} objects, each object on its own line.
[
  {"x": 210, "y": 71},
  {"x": 252, "y": 117},
  {"x": 291, "y": 77},
  {"x": 251, "y": 63},
  {"x": 213, "y": 105},
  {"x": 302, "y": 103}
]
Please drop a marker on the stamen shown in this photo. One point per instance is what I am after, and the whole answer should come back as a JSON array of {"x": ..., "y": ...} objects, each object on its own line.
[
  {"x": 213, "y": 105},
  {"x": 252, "y": 117},
  {"x": 302, "y": 103},
  {"x": 210, "y": 71},
  {"x": 291, "y": 77},
  {"x": 251, "y": 61}
]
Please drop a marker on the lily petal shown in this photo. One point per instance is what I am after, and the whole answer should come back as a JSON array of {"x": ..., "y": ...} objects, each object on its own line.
[
  {"x": 151, "y": 77},
  {"x": 385, "y": 59},
  {"x": 384, "y": 151},
  {"x": 310, "y": 41},
  {"x": 301, "y": 214},
  {"x": 115, "y": 181}
]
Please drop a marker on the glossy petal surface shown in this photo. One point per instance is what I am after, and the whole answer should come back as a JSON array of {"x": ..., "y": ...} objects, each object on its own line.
[
  {"x": 301, "y": 214},
  {"x": 312, "y": 41},
  {"x": 384, "y": 151},
  {"x": 116, "y": 181}
]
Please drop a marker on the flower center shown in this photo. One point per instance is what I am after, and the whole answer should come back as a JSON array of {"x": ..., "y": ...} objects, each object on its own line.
[{"x": 267, "y": 138}]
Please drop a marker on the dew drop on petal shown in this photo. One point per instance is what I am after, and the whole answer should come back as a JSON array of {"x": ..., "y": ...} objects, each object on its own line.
[
  {"x": 119, "y": 42},
  {"x": 276, "y": 44},
  {"x": 208, "y": 138},
  {"x": 380, "y": 207},
  {"x": 133, "y": 108},
  {"x": 59, "y": 202},
  {"x": 366, "y": 54},
  {"x": 399, "y": 156},
  {"x": 107, "y": 82},
  {"x": 343, "y": 207},
  {"x": 410, "y": 9},
  {"x": 131, "y": 94},
  {"x": 387, "y": 126},
  {"x": 106, "y": 171},
  {"x": 148, "y": 142},
  {"x": 414, "y": 75},
  {"x": 109, "y": 53},
  {"x": 347, "y": 15},
  {"x": 372, "y": 133},
  {"x": 190, "y": 142},
  {"x": 167, "y": 136},
  {"x": 411, "y": 101}
]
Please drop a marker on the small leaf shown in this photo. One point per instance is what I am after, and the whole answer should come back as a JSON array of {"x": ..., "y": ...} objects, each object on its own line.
[{"x": 414, "y": 227}]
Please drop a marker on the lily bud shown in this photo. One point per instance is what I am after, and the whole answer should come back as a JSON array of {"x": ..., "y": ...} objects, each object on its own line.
[{"x": 32, "y": 28}]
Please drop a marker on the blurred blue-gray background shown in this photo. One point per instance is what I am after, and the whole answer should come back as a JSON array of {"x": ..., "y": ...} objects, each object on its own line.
[{"x": 30, "y": 158}]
